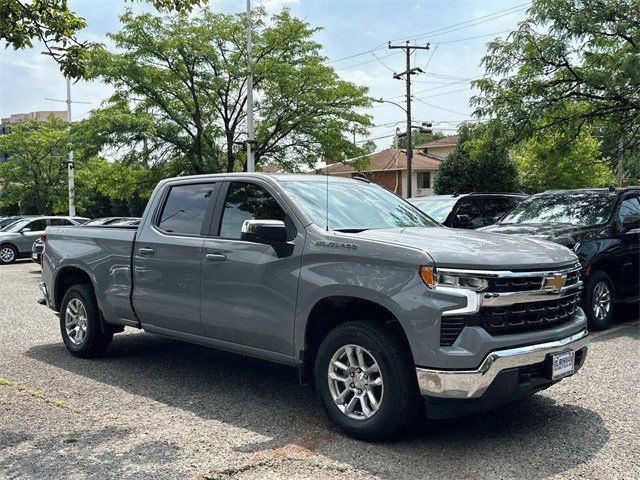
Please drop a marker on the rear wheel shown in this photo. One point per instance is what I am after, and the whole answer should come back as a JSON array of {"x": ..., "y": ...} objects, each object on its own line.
[
  {"x": 8, "y": 254},
  {"x": 366, "y": 380},
  {"x": 80, "y": 323},
  {"x": 599, "y": 298}
]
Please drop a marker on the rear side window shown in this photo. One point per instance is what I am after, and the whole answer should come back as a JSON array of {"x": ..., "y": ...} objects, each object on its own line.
[
  {"x": 247, "y": 201},
  {"x": 185, "y": 208}
]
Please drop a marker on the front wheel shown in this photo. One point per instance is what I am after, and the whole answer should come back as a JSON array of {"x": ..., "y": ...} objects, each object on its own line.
[
  {"x": 366, "y": 380},
  {"x": 80, "y": 323},
  {"x": 599, "y": 297},
  {"x": 8, "y": 254}
]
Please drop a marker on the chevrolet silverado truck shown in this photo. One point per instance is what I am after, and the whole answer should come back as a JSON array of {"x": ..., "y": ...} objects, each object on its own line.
[{"x": 391, "y": 315}]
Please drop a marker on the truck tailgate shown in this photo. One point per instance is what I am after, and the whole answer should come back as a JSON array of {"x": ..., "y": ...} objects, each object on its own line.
[{"x": 104, "y": 254}]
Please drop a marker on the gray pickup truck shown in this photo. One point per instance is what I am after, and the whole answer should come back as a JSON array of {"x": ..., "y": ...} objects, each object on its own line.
[{"x": 389, "y": 313}]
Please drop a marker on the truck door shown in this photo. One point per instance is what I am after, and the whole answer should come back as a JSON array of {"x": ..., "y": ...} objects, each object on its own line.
[
  {"x": 167, "y": 256},
  {"x": 248, "y": 291},
  {"x": 629, "y": 248}
]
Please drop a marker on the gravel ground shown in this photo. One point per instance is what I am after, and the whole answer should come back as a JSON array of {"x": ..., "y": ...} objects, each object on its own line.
[{"x": 158, "y": 408}]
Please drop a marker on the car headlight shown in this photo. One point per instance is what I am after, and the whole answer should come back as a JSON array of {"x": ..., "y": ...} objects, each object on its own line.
[{"x": 432, "y": 278}]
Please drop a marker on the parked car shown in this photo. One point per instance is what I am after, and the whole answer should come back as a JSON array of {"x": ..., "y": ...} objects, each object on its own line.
[
  {"x": 603, "y": 227},
  {"x": 16, "y": 239},
  {"x": 388, "y": 311},
  {"x": 472, "y": 210},
  {"x": 113, "y": 221}
]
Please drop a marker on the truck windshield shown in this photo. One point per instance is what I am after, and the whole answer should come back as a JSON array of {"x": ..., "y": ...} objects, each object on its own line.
[
  {"x": 575, "y": 208},
  {"x": 355, "y": 206}
]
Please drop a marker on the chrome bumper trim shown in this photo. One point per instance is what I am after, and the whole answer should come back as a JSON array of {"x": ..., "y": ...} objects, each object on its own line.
[
  {"x": 473, "y": 383},
  {"x": 527, "y": 296}
]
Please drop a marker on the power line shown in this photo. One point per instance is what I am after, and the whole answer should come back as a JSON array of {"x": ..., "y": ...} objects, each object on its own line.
[
  {"x": 382, "y": 63},
  {"x": 442, "y": 108}
]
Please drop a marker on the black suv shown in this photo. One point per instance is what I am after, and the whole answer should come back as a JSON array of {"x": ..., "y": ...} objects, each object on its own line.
[
  {"x": 603, "y": 227},
  {"x": 471, "y": 210}
]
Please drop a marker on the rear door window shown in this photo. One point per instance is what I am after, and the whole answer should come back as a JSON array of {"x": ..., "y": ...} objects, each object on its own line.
[
  {"x": 60, "y": 222},
  {"x": 185, "y": 208}
]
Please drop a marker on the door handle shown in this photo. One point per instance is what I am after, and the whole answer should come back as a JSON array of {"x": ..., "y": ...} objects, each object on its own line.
[
  {"x": 215, "y": 257},
  {"x": 146, "y": 251}
]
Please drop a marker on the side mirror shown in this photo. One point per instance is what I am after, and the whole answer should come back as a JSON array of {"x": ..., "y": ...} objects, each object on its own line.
[
  {"x": 631, "y": 222},
  {"x": 264, "y": 231},
  {"x": 463, "y": 221},
  {"x": 25, "y": 230}
]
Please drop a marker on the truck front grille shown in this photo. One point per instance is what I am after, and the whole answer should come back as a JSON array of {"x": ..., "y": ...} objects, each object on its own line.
[
  {"x": 517, "y": 318},
  {"x": 526, "y": 283}
]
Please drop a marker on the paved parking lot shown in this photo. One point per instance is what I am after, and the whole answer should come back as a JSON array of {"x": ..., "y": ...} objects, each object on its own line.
[{"x": 158, "y": 408}]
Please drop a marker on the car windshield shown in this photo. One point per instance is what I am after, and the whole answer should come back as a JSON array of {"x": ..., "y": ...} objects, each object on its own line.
[
  {"x": 437, "y": 208},
  {"x": 16, "y": 226},
  {"x": 355, "y": 206},
  {"x": 575, "y": 208}
]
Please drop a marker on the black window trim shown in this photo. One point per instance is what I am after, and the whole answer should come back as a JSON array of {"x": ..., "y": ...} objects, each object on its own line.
[
  {"x": 216, "y": 220},
  {"x": 208, "y": 213}
]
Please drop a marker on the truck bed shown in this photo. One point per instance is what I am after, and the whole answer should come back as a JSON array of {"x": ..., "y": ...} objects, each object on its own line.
[{"x": 103, "y": 251}]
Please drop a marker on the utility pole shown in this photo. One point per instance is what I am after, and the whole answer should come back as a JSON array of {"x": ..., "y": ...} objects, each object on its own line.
[
  {"x": 250, "y": 139},
  {"x": 407, "y": 73},
  {"x": 70, "y": 168}
]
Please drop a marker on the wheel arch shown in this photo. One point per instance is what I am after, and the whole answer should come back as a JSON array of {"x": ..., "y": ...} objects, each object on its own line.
[
  {"x": 66, "y": 278},
  {"x": 332, "y": 310}
]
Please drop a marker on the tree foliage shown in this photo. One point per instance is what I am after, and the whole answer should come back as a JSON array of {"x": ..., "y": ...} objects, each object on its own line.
[
  {"x": 51, "y": 22},
  {"x": 35, "y": 174},
  {"x": 479, "y": 163},
  {"x": 555, "y": 159},
  {"x": 181, "y": 89},
  {"x": 567, "y": 53}
]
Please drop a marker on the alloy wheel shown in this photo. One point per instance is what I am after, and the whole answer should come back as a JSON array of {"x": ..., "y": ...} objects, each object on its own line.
[
  {"x": 601, "y": 300},
  {"x": 7, "y": 254},
  {"x": 355, "y": 382},
  {"x": 75, "y": 321}
]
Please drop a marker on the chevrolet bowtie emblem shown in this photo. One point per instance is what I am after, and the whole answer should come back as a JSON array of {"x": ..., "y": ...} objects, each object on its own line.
[{"x": 556, "y": 282}]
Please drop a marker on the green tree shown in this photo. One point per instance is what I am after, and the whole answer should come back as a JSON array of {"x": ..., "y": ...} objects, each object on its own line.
[
  {"x": 479, "y": 163},
  {"x": 568, "y": 53},
  {"x": 553, "y": 159},
  {"x": 181, "y": 83},
  {"x": 35, "y": 174},
  {"x": 52, "y": 23}
]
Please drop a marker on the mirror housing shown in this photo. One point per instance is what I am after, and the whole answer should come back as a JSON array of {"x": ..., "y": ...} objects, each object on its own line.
[
  {"x": 264, "y": 231},
  {"x": 631, "y": 223},
  {"x": 25, "y": 230},
  {"x": 463, "y": 221}
]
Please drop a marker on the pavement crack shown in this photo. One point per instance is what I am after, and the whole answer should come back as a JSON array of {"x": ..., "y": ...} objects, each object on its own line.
[{"x": 19, "y": 387}]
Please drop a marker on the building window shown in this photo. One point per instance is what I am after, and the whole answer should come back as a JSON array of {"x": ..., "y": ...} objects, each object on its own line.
[{"x": 424, "y": 179}]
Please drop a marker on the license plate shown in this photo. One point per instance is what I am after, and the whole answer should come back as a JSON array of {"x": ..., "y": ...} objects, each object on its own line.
[{"x": 562, "y": 364}]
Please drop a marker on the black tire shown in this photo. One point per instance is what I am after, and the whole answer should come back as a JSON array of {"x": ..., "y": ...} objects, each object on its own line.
[
  {"x": 8, "y": 254},
  {"x": 590, "y": 297},
  {"x": 400, "y": 402},
  {"x": 94, "y": 342}
]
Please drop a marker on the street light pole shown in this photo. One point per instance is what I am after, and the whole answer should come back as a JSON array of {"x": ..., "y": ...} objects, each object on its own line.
[
  {"x": 250, "y": 139},
  {"x": 70, "y": 167}
]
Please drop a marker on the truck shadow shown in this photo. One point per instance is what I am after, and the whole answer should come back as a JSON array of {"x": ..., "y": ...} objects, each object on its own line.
[{"x": 536, "y": 435}]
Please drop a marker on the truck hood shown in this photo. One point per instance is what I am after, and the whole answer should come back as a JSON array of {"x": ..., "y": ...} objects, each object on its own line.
[{"x": 469, "y": 249}]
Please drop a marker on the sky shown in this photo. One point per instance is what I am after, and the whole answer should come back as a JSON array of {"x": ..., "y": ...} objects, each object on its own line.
[{"x": 355, "y": 34}]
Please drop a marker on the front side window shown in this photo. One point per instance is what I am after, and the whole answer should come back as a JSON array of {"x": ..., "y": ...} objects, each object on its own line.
[
  {"x": 37, "y": 225},
  {"x": 60, "y": 222},
  {"x": 247, "y": 201},
  {"x": 570, "y": 208},
  {"x": 474, "y": 208},
  {"x": 354, "y": 206},
  {"x": 185, "y": 208}
]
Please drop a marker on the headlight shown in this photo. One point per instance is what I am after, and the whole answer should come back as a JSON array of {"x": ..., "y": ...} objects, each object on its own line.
[{"x": 432, "y": 278}]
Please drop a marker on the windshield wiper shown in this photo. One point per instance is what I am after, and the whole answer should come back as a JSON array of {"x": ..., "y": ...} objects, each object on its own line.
[{"x": 350, "y": 230}]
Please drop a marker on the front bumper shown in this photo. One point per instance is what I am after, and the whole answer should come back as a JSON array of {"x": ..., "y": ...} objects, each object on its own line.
[{"x": 472, "y": 384}]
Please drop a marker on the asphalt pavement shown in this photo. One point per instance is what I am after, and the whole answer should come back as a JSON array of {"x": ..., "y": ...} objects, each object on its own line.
[{"x": 158, "y": 408}]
